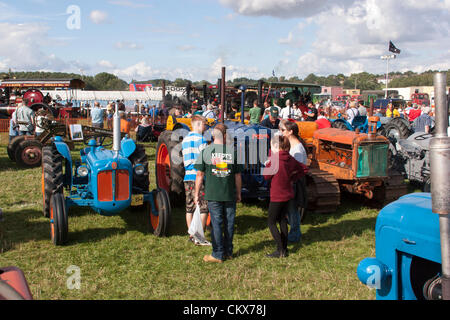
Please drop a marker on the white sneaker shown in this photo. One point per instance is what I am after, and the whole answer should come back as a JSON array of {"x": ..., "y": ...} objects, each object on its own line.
[{"x": 204, "y": 243}]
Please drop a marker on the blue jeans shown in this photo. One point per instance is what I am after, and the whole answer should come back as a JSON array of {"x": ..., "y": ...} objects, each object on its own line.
[
  {"x": 294, "y": 222},
  {"x": 222, "y": 216}
]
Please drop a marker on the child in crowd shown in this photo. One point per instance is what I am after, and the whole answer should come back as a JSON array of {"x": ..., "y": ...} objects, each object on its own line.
[{"x": 283, "y": 170}]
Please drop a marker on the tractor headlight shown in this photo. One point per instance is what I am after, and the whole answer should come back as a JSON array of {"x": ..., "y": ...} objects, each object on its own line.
[
  {"x": 82, "y": 171},
  {"x": 139, "y": 169}
]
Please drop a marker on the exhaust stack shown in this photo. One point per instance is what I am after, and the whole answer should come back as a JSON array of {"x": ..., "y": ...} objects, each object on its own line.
[
  {"x": 116, "y": 130},
  {"x": 440, "y": 173}
]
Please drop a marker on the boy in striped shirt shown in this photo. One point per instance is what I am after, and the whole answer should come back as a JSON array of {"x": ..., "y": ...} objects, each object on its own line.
[{"x": 192, "y": 146}]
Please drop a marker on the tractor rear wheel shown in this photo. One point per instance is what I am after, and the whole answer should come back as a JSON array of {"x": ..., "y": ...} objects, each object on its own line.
[
  {"x": 160, "y": 223},
  {"x": 28, "y": 153},
  {"x": 12, "y": 146},
  {"x": 396, "y": 130},
  {"x": 52, "y": 175},
  {"x": 141, "y": 183},
  {"x": 170, "y": 171},
  {"x": 59, "y": 224}
]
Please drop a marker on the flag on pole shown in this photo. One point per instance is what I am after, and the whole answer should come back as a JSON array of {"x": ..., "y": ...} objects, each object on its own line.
[{"x": 393, "y": 49}]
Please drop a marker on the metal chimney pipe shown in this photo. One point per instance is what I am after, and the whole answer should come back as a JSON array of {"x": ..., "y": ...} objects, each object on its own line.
[
  {"x": 116, "y": 130},
  {"x": 440, "y": 173},
  {"x": 222, "y": 96}
]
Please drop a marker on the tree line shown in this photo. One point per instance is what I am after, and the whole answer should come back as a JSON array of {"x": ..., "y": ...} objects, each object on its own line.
[{"x": 365, "y": 81}]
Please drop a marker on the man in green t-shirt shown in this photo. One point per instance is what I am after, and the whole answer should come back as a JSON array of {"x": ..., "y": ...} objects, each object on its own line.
[
  {"x": 255, "y": 113},
  {"x": 217, "y": 166}
]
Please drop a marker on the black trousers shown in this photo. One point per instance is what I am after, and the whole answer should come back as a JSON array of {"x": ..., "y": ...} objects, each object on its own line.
[{"x": 278, "y": 214}]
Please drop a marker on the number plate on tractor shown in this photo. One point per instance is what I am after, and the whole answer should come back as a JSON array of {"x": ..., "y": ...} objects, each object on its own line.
[{"x": 137, "y": 200}]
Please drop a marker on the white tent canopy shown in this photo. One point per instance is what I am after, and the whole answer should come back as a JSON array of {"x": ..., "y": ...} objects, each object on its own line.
[{"x": 81, "y": 95}]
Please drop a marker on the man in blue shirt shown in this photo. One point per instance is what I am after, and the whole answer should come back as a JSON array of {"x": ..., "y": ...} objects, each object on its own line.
[
  {"x": 192, "y": 146},
  {"x": 424, "y": 122},
  {"x": 97, "y": 116}
]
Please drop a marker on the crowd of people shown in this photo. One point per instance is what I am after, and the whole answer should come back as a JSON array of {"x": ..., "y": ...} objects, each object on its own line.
[{"x": 213, "y": 177}]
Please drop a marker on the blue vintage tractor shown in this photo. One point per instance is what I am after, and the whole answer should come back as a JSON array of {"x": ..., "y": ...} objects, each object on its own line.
[
  {"x": 413, "y": 234},
  {"x": 107, "y": 181}
]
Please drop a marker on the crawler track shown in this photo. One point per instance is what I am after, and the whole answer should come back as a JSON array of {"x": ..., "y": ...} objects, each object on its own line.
[{"x": 324, "y": 195}]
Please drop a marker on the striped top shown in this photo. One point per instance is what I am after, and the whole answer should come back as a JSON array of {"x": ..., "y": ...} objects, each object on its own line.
[{"x": 193, "y": 144}]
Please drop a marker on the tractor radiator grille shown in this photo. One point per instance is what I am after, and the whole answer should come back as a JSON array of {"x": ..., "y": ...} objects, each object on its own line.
[
  {"x": 372, "y": 160},
  {"x": 252, "y": 154},
  {"x": 105, "y": 185}
]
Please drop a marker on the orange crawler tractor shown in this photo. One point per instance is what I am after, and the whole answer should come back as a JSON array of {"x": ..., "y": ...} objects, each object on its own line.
[{"x": 346, "y": 161}]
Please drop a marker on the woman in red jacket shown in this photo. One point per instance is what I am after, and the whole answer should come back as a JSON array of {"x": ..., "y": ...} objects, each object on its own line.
[{"x": 283, "y": 170}]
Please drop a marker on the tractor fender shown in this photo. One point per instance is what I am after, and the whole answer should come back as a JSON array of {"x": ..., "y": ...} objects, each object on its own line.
[
  {"x": 180, "y": 125},
  {"x": 127, "y": 147},
  {"x": 345, "y": 122}
]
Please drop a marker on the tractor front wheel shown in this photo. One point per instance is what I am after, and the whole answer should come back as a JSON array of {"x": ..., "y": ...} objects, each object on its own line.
[
  {"x": 160, "y": 221},
  {"x": 52, "y": 175},
  {"x": 59, "y": 224}
]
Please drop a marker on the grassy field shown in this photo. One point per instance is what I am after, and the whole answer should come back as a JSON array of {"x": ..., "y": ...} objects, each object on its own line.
[{"x": 119, "y": 259}]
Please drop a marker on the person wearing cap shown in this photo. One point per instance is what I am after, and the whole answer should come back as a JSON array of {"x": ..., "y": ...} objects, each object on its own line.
[
  {"x": 424, "y": 122},
  {"x": 273, "y": 121}
]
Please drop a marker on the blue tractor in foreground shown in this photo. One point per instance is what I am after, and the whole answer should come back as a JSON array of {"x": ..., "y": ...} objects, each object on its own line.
[
  {"x": 413, "y": 234},
  {"x": 107, "y": 181}
]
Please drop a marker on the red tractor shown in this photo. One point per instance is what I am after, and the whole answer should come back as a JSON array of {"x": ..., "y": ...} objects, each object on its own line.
[
  {"x": 16, "y": 91},
  {"x": 420, "y": 98}
]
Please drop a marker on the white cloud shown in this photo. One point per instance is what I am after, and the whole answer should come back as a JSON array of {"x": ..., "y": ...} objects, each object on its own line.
[
  {"x": 21, "y": 48},
  {"x": 350, "y": 35},
  {"x": 106, "y": 64},
  {"x": 287, "y": 40},
  {"x": 130, "y": 4},
  {"x": 186, "y": 47},
  {"x": 127, "y": 45},
  {"x": 98, "y": 17}
]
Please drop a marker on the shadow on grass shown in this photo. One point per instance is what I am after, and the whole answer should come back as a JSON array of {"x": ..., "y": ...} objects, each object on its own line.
[
  {"x": 6, "y": 164},
  {"x": 93, "y": 235},
  {"x": 18, "y": 227},
  {"x": 338, "y": 231},
  {"x": 246, "y": 224}
]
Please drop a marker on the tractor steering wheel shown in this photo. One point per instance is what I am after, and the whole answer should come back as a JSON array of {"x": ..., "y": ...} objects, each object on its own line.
[
  {"x": 100, "y": 141},
  {"x": 423, "y": 136}
]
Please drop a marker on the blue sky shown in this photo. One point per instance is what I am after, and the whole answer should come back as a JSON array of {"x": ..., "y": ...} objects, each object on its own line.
[{"x": 193, "y": 38}]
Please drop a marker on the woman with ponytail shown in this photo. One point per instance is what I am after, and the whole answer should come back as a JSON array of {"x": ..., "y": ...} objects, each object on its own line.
[{"x": 299, "y": 203}]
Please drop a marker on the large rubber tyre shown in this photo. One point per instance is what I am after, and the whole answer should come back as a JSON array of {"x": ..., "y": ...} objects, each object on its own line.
[
  {"x": 7, "y": 292},
  {"x": 339, "y": 125},
  {"x": 170, "y": 173},
  {"x": 59, "y": 223},
  {"x": 52, "y": 176},
  {"x": 396, "y": 130},
  {"x": 160, "y": 224},
  {"x": 12, "y": 146},
  {"x": 141, "y": 183},
  {"x": 28, "y": 154}
]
